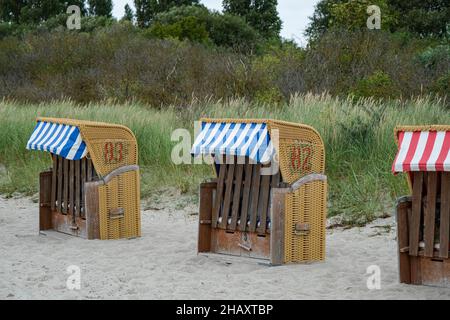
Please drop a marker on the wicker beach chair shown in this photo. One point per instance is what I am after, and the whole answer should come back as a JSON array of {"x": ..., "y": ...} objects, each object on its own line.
[
  {"x": 253, "y": 209},
  {"x": 92, "y": 189},
  {"x": 423, "y": 218}
]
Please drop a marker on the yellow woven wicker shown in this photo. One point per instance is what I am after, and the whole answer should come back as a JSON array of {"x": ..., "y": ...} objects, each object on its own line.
[
  {"x": 111, "y": 146},
  {"x": 432, "y": 127},
  {"x": 308, "y": 204}
]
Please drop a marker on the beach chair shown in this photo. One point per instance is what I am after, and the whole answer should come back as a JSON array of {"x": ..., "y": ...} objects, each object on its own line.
[
  {"x": 423, "y": 218},
  {"x": 252, "y": 209},
  {"x": 92, "y": 189}
]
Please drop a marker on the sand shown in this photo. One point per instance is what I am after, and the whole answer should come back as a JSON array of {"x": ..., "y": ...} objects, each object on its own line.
[{"x": 163, "y": 263}]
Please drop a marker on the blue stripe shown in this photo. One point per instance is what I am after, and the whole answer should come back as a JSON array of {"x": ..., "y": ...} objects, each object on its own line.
[
  {"x": 208, "y": 147},
  {"x": 66, "y": 149},
  {"x": 37, "y": 137},
  {"x": 50, "y": 146},
  {"x": 226, "y": 149},
  {"x": 59, "y": 144},
  {"x": 44, "y": 131},
  {"x": 244, "y": 141},
  {"x": 225, "y": 138},
  {"x": 80, "y": 151},
  {"x": 45, "y": 135},
  {"x": 49, "y": 136}
]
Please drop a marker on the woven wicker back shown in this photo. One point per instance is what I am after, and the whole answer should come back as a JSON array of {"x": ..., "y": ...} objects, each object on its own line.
[{"x": 301, "y": 152}]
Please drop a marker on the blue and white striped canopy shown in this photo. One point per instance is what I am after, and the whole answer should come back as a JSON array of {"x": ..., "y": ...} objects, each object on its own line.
[
  {"x": 240, "y": 139},
  {"x": 63, "y": 140}
]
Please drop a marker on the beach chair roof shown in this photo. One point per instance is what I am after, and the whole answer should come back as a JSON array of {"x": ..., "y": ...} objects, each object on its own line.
[
  {"x": 422, "y": 148},
  {"x": 297, "y": 144},
  {"x": 244, "y": 138},
  {"x": 109, "y": 145}
]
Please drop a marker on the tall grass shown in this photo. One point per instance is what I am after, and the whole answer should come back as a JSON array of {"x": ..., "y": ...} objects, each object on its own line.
[{"x": 358, "y": 137}]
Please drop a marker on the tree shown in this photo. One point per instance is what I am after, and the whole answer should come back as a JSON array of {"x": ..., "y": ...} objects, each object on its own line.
[
  {"x": 146, "y": 10},
  {"x": 320, "y": 21},
  {"x": 35, "y": 11},
  {"x": 224, "y": 30},
  {"x": 423, "y": 17},
  {"x": 10, "y": 10},
  {"x": 352, "y": 15},
  {"x": 128, "y": 16},
  {"x": 100, "y": 8},
  {"x": 260, "y": 14}
]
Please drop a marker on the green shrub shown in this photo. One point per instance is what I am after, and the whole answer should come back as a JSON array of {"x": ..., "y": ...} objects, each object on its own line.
[
  {"x": 187, "y": 28},
  {"x": 224, "y": 30},
  {"x": 378, "y": 85},
  {"x": 442, "y": 85}
]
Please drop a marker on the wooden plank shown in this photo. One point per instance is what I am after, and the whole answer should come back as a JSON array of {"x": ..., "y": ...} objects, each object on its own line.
[
  {"x": 256, "y": 181},
  {"x": 277, "y": 228},
  {"x": 248, "y": 172},
  {"x": 219, "y": 195},
  {"x": 54, "y": 175},
  {"x": 402, "y": 240},
  {"x": 263, "y": 204},
  {"x": 416, "y": 270},
  {"x": 445, "y": 215},
  {"x": 66, "y": 186},
  {"x": 60, "y": 184},
  {"x": 77, "y": 164},
  {"x": 83, "y": 181},
  {"x": 430, "y": 210},
  {"x": 228, "y": 196},
  {"x": 236, "y": 196},
  {"x": 45, "y": 189},
  {"x": 414, "y": 228},
  {"x": 89, "y": 170},
  {"x": 205, "y": 214},
  {"x": 71, "y": 189},
  {"x": 91, "y": 200}
]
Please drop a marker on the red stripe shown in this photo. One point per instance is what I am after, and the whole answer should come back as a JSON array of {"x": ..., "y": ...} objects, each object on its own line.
[
  {"x": 444, "y": 151},
  {"x": 412, "y": 149},
  {"x": 400, "y": 140},
  {"x": 427, "y": 151}
]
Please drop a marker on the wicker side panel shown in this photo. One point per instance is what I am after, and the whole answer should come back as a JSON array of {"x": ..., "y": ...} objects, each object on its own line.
[
  {"x": 300, "y": 151},
  {"x": 110, "y": 148},
  {"x": 121, "y": 193},
  {"x": 306, "y": 206}
]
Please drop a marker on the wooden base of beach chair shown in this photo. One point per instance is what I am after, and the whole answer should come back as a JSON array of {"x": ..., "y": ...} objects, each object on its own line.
[
  {"x": 233, "y": 238},
  {"x": 423, "y": 223},
  {"x": 75, "y": 201}
]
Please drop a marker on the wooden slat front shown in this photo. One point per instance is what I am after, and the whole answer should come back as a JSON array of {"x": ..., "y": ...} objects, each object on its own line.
[
  {"x": 219, "y": 195},
  {"x": 414, "y": 229},
  {"x": 54, "y": 186},
  {"x": 403, "y": 210},
  {"x": 228, "y": 195},
  {"x": 60, "y": 184},
  {"x": 236, "y": 196},
  {"x": 429, "y": 218},
  {"x": 445, "y": 215},
  {"x": 77, "y": 187},
  {"x": 83, "y": 181},
  {"x": 248, "y": 174},
  {"x": 263, "y": 204},
  {"x": 66, "y": 186},
  {"x": 256, "y": 179},
  {"x": 72, "y": 189}
]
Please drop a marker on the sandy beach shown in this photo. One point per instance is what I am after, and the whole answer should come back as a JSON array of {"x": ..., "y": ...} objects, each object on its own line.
[{"x": 163, "y": 263}]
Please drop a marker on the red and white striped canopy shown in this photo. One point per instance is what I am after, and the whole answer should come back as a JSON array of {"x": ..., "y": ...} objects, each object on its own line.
[{"x": 422, "y": 151}]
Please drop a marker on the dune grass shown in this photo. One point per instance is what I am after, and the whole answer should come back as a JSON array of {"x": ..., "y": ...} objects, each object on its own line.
[{"x": 358, "y": 137}]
